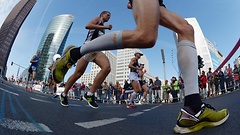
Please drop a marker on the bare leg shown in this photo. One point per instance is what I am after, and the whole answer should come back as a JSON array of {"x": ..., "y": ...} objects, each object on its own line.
[
  {"x": 185, "y": 33},
  {"x": 136, "y": 86},
  {"x": 80, "y": 69},
  {"x": 145, "y": 88},
  {"x": 103, "y": 62},
  {"x": 146, "y": 15}
]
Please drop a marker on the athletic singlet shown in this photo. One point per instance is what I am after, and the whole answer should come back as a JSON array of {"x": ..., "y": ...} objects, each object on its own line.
[
  {"x": 35, "y": 64},
  {"x": 94, "y": 33},
  {"x": 135, "y": 65}
]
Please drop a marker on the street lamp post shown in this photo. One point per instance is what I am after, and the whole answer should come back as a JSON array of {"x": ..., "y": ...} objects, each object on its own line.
[
  {"x": 19, "y": 66},
  {"x": 164, "y": 65}
]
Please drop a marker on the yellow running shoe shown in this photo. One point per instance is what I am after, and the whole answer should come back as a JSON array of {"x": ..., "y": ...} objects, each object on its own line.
[
  {"x": 207, "y": 117},
  {"x": 62, "y": 65}
]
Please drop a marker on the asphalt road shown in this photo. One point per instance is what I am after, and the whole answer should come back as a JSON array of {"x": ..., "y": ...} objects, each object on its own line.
[{"x": 26, "y": 113}]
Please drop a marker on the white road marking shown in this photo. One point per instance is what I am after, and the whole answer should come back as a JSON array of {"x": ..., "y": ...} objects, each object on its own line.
[
  {"x": 7, "y": 85},
  {"x": 74, "y": 105},
  {"x": 147, "y": 110},
  {"x": 24, "y": 126},
  {"x": 135, "y": 114},
  {"x": 9, "y": 92},
  {"x": 40, "y": 100},
  {"x": 41, "y": 96},
  {"x": 99, "y": 123},
  {"x": 155, "y": 107}
]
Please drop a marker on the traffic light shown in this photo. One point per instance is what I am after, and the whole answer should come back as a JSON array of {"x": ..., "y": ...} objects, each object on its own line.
[
  {"x": 200, "y": 62},
  {"x": 11, "y": 63}
]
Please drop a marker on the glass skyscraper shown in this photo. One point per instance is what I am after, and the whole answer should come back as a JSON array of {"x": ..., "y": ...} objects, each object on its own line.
[
  {"x": 53, "y": 42},
  {"x": 10, "y": 29}
]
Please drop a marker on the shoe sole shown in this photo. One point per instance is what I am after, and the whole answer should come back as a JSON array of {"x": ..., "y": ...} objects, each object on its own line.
[
  {"x": 62, "y": 103},
  {"x": 55, "y": 63},
  {"x": 199, "y": 126},
  {"x": 89, "y": 103}
]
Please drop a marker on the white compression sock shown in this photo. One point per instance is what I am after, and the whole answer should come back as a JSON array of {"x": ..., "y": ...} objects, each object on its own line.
[
  {"x": 132, "y": 97},
  {"x": 109, "y": 41},
  {"x": 188, "y": 64}
]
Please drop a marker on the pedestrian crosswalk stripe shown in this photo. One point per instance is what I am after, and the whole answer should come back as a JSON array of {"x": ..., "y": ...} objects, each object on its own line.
[{"x": 23, "y": 126}]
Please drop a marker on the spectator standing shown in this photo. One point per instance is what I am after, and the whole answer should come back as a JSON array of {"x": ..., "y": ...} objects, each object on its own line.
[
  {"x": 181, "y": 88},
  {"x": 126, "y": 88},
  {"x": 210, "y": 82},
  {"x": 216, "y": 83},
  {"x": 166, "y": 90},
  {"x": 203, "y": 85},
  {"x": 82, "y": 90},
  {"x": 230, "y": 78},
  {"x": 175, "y": 89},
  {"x": 104, "y": 91},
  {"x": 111, "y": 91},
  {"x": 236, "y": 76},
  {"x": 226, "y": 77},
  {"x": 239, "y": 75},
  {"x": 221, "y": 81},
  {"x": 157, "y": 87},
  {"x": 99, "y": 93},
  {"x": 227, "y": 72},
  {"x": 151, "y": 89},
  {"x": 71, "y": 92},
  {"x": 76, "y": 91},
  {"x": 117, "y": 92}
]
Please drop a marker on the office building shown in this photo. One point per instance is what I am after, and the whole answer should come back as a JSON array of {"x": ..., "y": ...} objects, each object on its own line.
[
  {"x": 53, "y": 42},
  {"x": 10, "y": 28}
]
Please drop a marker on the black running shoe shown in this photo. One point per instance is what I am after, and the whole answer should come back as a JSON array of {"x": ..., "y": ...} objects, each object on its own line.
[
  {"x": 90, "y": 100},
  {"x": 55, "y": 95},
  {"x": 63, "y": 100}
]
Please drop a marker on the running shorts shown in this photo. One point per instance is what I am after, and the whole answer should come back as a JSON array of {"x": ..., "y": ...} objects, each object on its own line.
[
  {"x": 160, "y": 3},
  {"x": 91, "y": 56}
]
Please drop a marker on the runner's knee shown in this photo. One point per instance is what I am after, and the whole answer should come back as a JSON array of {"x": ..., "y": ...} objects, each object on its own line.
[
  {"x": 146, "y": 40},
  {"x": 106, "y": 69},
  {"x": 186, "y": 29}
]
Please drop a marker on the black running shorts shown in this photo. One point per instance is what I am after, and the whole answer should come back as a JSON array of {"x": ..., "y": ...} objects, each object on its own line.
[{"x": 160, "y": 3}]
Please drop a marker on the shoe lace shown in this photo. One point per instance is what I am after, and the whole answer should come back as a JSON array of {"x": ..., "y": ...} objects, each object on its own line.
[{"x": 209, "y": 106}]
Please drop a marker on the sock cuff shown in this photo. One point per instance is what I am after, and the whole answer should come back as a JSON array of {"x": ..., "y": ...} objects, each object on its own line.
[{"x": 186, "y": 43}]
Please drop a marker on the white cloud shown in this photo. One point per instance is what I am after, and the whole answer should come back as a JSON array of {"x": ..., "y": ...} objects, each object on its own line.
[{"x": 5, "y": 7}]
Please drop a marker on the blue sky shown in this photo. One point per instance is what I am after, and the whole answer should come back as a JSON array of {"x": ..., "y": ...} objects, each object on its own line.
[{"x": 219, "y": 20}]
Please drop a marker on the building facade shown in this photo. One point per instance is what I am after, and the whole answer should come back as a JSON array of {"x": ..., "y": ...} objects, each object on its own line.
[
  {"x": 211, "y": 56},
  {"x": 10, "y": 28},
  {"x": 53, "y": 42}
]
